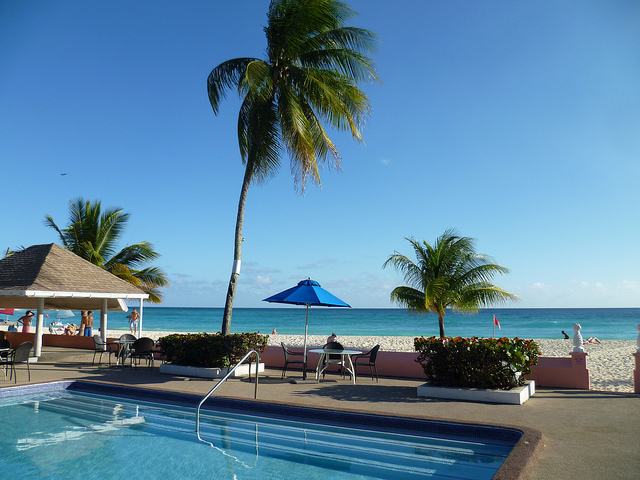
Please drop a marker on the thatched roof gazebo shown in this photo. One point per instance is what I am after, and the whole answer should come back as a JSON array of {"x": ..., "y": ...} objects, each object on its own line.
[{"x": 51, "y": 277}]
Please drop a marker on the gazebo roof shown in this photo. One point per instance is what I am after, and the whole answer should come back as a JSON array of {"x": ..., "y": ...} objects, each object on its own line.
[{"x": 63, "y": 279}]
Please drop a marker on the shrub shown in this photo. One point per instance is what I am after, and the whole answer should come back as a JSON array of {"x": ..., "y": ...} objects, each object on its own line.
[
  {"x": 210, "y": 350},
  {"x": 476, "y": 362}
]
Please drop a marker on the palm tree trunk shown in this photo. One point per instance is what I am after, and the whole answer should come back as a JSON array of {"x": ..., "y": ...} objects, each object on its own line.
[
  {"x": 441, "y": 324},
  {"x": 237, "y": 252}
]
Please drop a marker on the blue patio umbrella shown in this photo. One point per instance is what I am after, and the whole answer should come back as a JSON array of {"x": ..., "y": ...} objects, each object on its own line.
[{"x": 309, "y": 293}]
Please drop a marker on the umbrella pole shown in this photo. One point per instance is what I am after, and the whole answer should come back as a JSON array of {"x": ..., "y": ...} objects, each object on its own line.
[{"x": 304, "y": 365}]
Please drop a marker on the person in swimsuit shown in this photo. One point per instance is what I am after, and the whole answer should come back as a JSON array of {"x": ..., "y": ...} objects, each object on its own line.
[
  {"x": 134, "y": 318},
  {"x": 26, "y": 321},
  {"x": 70, "y": 329},
  {"x": 88, "y": 330}
]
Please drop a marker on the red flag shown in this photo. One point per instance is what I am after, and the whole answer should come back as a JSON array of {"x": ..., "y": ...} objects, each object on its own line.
[{"x": 496, "y": 322}]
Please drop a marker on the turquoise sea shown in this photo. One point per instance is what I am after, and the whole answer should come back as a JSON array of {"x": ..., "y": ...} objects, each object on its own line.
[{"x": 604, "y": 323}]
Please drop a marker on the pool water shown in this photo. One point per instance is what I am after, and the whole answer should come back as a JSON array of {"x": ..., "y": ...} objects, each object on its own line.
[{"x": 85, "y": 431}]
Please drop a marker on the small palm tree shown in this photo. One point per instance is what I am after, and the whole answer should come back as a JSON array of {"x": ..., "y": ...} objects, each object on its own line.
[
  {"x": 93, "y": 235},
  {"x": 449, "y": 274},
  {"x": 310, "y": 75}
]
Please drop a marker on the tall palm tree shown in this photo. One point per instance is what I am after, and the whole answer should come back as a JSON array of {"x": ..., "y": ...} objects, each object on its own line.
[
  {"x": 448, "y": 274},
  {"x": 93, "y": 235},
  {"x": 309, "y": 77}
]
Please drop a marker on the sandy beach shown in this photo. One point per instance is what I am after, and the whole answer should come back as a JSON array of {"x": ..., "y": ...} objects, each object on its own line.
[{"x": 610, "y": 363}]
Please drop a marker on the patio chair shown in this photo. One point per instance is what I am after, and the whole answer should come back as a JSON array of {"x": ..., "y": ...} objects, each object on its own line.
[
  {"x": 142, "y": 348},
  {"x": 101, "y": 346},
  {"x": 333, "y": 359},
  {"x": 287, "y": 358},
  {"x": 4, "y": 344},
  {"x": 367, "y": 359},
  {"x": 20, "y": 354}
]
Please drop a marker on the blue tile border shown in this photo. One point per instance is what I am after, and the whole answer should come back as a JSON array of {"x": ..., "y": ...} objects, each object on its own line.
[{"x": 33, "y": 388}]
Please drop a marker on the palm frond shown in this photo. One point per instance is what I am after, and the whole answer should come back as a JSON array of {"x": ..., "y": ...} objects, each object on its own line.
[
  {"x": 48, "y": 221},
  {"x": 155, "y": 295},
  {"x": 410, "y": 298},
  {"x": 339, "y": 51},
  {"x": 125, "y": 273},
  {"x": 224, "y": 77},
  {"x": 259, "y": 138},
  {"x": 134, "y": 255},
  {"x": 110, "y": 226},
  {"x": 152, "y": 277}
]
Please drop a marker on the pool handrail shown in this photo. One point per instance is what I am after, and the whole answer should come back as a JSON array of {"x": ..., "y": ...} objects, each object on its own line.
[{"x": 217, "y": 385}]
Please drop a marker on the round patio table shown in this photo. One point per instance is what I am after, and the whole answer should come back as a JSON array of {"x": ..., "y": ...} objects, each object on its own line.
[
  {"x": 123, "y": 350},
  {"x": 343, "y": 353}
]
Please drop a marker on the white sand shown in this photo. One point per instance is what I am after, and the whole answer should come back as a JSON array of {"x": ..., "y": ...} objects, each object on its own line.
[{"x": 611, "y": 363}]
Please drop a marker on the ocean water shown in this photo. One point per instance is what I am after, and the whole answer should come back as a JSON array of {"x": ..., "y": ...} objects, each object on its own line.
[{"x": 604, "y": 323}]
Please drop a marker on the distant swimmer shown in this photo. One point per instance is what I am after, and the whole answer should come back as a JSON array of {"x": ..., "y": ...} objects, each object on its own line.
[{"x": 566, "y": 337}]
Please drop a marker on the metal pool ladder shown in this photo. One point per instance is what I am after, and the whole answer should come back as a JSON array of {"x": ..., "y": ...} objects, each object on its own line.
[{"x": 217, "y": 385}]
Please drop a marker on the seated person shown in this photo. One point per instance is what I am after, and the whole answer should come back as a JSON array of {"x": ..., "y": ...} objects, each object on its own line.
[{"x": 71, "y": 329}]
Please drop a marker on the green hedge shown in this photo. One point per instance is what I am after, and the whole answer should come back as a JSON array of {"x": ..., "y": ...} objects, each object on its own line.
[
  {"x": 497, "y": 363},
  {"x": 209, "y": 350}
]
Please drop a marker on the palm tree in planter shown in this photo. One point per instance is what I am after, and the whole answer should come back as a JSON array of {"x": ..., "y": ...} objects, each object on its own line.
[
  {"x": 310, "y": 75},
  {"x": 448, "y": 274}
]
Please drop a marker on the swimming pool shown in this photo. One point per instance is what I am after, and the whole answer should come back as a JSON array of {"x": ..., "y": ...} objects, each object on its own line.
[{"x": 83, "y": 430}]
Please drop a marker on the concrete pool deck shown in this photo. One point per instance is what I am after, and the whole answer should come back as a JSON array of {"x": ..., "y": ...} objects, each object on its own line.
[{"x": 586, "y": 434}]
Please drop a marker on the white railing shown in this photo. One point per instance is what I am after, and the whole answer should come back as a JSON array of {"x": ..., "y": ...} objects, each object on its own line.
[{"x": 229, "y": 373}]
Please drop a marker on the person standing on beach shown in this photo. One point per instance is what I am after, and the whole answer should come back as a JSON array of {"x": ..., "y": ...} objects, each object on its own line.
[
  {"x": 134, "y": 318},
  {"x": 26, "y": 321},
  {"x": 88, "y": 330}
]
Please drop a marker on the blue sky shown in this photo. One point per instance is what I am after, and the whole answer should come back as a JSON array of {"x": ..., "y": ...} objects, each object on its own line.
[{"x": 516, "y": 123}]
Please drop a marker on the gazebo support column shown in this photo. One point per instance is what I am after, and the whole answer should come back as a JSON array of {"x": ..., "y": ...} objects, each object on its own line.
[
  {"x": 140, "y": 326},
  {"x": 37, "y": 347},
  {"x": 103, "y": 320}
]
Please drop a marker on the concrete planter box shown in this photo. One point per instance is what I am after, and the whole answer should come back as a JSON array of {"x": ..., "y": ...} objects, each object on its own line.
[
  {"x": 515, "y": 396},
  {"x": 241, "y": 371}
]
